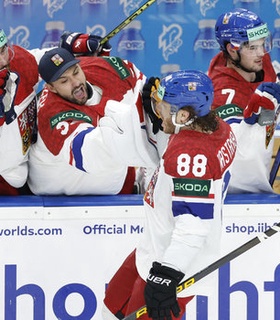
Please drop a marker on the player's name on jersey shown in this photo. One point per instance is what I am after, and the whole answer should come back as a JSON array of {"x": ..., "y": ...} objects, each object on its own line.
[{"x": 101, "y": 229}]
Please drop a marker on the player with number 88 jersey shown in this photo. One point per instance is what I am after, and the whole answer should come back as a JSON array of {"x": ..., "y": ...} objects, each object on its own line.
[{"x": 183, "y": 203}]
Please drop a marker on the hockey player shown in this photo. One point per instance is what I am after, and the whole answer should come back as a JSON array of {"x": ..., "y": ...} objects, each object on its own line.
[
  {"x": 91, "y": 128},
  {"x": 246, "y": 96},
  {"x": 18, "y": 79},
  {"x": 183, "y": 203}
]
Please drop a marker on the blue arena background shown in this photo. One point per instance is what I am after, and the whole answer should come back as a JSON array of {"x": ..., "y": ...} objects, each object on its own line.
[{"x": 168, "y": 35}]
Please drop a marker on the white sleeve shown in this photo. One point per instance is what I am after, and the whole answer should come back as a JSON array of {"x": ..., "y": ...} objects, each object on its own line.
[
  {"x": 251, "y": 166},
  {"x": 13, "y": 164},
  {"x": 125, "y": 137},
  {"x": 38, "y": 53},
  {"x": 188, "y": 238},
  {"x": 85, "y": 149}
]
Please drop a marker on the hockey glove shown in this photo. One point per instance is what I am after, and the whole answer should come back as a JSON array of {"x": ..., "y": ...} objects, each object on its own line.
[
  {"x": 160, "y": 292},
  {"x": 84, "y": 44},
  {"x": 8, "y": 89},
  {"x": 148, "y": 90},
  {"x": 266, "y": 97}
]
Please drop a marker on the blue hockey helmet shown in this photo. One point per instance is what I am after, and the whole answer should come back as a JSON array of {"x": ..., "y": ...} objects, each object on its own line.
[
  {"x": 239, "y": 26},
  {"x": 187, "y": 88}
]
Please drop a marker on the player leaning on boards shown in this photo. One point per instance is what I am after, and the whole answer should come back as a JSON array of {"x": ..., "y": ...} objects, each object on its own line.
[
  {"x": 18, "y": 79},
  {"x": 246, "y": 96},
  {"x": 91, "y": 127},
  {"x": 183, "y": 203}
]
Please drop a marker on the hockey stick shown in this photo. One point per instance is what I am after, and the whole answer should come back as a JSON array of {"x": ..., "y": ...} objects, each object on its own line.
[
  {"x": 275, "y": 168},
  {"x": 214, "y": 266},
  {"x": 127, "y": 21},
  {"x": 121, "y": 26}
]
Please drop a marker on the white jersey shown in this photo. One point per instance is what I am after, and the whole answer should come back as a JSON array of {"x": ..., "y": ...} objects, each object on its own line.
[
  {"x": 183, "y": 203},
  {"x": 88, "y": 149},
  {"x": 253, "y": 159},
  {"x": 17, "y": 132}
]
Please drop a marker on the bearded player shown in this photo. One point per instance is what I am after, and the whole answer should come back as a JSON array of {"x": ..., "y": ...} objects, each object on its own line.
[{"x": 183, "y": 203}]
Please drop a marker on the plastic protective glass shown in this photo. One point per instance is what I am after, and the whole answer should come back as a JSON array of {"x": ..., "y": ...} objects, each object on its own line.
[{"x": 253, "y": 48}]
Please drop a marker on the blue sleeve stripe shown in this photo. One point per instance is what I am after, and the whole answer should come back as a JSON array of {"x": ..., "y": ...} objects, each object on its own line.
[
  {"x": 233, "y": 120},
  {"x": 77, "y": 148},
  {"x": 226, "y": 181},
  {"x": 201, "y": 210}
]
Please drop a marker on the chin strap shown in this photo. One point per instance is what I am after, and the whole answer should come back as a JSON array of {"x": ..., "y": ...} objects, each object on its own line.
[
  {"x": 178, "y": 126},
  {"x": 238, "y": 64}
]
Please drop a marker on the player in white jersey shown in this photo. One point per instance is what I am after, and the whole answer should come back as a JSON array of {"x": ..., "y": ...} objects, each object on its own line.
[
  {"x": 18, "y": 79},
  {"x": 91, "y": 126},
  {"x": 183, "y": 203}
]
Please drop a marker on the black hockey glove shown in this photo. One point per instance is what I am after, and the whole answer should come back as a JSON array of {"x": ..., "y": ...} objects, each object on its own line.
[
  {"x": 148, "y": 89},
  {"x": 160, "y": 292},
  {"x": 84, "y": 44}
]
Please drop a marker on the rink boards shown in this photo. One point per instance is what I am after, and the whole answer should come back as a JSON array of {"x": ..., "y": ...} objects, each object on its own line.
[{"x": 58, "y": 253}]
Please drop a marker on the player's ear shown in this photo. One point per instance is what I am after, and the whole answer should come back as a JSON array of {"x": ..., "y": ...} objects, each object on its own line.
[
  {"x": 231, "y": 50},
  {"x": 182, "y": 116},
  {"x": 51, "y": 88}
]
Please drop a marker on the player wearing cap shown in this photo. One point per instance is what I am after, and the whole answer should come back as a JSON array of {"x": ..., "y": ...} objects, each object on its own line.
[
  {"x": 246, "y": 95},
  {"x": 18, "y": 83},
  {"x": 18, "y": 79},
  {"x": 91, "y": 128},
  {"x": 183, "y": 203}
]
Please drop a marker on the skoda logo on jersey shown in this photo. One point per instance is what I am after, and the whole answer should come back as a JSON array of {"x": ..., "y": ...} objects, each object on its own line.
[{"x": 191, "y": 187}]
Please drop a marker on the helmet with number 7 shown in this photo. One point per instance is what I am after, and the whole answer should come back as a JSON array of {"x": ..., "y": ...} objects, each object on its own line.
[
  {"x": 239, "y": 26},
  {"x": 187, "y": 88}
]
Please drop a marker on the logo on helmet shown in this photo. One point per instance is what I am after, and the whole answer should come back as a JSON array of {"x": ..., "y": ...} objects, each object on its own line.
[
  {"x": 226, "y": 18},
  {"x": 160, "y": 92},
  {"x": 192, "y": 86},
  {"x": 258, "y": 33},
  {"x": 3, "y": 38}
]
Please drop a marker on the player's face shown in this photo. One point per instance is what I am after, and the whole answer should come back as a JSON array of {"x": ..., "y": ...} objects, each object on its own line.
[
  {"x": 252, "y": 55},
  {"x": 163, "y": 109},
  {"x": 4, "y": 57},
  {"x": 71, "y": 85}
]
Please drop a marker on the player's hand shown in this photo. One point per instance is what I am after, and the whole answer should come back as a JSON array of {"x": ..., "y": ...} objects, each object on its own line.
[
  {"x": 148, "y": 89},
  {"x": 160, "y": 292},
  {"x": 266, "y": 96},
  {"x": 8, "y": 91},
  {"x": 84, "y": 44}
]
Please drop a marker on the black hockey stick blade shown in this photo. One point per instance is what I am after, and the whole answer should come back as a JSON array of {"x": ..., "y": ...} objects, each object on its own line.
[
  {"x": 127, "y": 21},
  {"x": 214, "y": 266}
]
